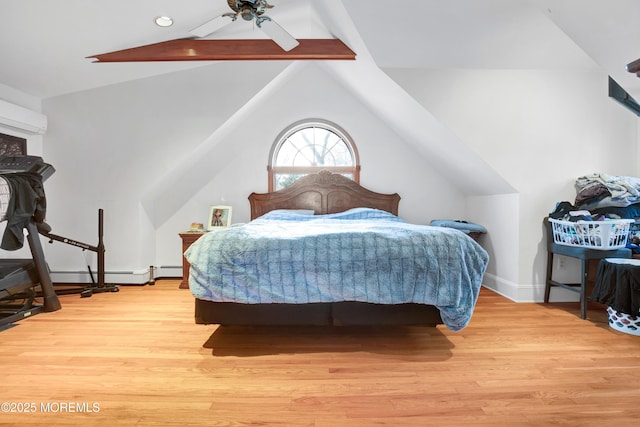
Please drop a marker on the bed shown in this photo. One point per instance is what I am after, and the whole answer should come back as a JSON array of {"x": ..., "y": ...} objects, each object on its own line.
[{"x": 327, "y": 251}]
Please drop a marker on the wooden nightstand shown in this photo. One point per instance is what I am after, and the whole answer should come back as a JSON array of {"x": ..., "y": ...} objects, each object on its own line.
[{"x": 188, "y": 237}]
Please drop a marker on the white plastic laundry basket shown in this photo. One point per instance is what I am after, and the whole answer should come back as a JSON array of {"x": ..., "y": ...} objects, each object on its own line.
[{"x": 603, "y": 235}]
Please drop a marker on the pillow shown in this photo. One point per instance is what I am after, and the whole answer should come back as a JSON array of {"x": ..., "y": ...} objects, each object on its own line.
[
  {"x": 294, "y": 211},
  {"x": 464, "y": 226}
]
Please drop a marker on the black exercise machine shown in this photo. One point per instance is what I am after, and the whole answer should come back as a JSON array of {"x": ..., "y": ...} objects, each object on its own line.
[
  {"x": 19, "y": 283},
  {"x": 22, "y": 279},
  {"x": 86, "y": 290}
]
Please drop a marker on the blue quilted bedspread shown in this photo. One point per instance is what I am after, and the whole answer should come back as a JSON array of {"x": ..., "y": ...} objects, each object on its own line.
[{"x": 362, "y": 255}]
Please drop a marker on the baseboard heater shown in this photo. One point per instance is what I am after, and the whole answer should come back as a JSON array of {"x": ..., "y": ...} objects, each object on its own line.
[{"x": 134, "y": 277}]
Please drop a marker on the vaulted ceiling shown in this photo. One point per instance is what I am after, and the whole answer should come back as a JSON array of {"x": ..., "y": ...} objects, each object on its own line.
[{"x": 44, "y": 44}]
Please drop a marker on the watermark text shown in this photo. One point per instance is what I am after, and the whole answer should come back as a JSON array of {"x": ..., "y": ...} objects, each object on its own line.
[{"x": 62, "y": 407}]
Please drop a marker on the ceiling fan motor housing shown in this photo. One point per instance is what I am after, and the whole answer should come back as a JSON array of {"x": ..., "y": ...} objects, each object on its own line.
[
  {"x": 249, "y": 9},
  {"x": 247, "y": 13}
]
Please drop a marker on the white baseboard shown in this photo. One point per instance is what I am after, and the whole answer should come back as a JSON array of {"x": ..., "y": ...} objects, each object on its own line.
[
  {"x": 513, "y": 291},
  {"x": 526, "y": 293},
  {"x": 137, "y": 277}
]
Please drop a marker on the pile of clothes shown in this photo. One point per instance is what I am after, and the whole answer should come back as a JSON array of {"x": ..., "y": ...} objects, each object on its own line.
[
  {"x": 600, "y": 190},
  {"x": 600, "y": 197}
]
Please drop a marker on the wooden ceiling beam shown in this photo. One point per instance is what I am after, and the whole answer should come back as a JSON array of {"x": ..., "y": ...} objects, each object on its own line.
[
  {"x": 634, "y": 67},
  {"x": 230, "y": 50}
]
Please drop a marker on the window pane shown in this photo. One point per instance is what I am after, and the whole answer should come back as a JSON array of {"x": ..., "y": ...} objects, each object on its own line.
[
  {"x": 314, "y": 146},
  {"x": 308, "y": 147},
  {"x": 283, "y": 180}
]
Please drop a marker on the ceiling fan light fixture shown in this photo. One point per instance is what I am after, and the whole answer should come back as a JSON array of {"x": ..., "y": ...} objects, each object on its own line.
[
  {"x": 163, "y": 21},
  {"x": 247, "y": 13}
]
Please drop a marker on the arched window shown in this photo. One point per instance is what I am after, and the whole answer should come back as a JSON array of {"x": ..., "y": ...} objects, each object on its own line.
[{"x": 310, "y": 146}]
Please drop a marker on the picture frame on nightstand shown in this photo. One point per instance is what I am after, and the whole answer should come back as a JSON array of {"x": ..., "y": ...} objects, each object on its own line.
[{"x": 219, "y": 217}]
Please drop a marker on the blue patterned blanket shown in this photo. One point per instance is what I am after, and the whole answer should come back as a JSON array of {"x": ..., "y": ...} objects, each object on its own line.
[{"x": 362, "y": 255}]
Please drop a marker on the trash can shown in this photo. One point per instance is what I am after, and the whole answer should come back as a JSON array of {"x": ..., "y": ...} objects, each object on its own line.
[{"x": 618, "y": 286}]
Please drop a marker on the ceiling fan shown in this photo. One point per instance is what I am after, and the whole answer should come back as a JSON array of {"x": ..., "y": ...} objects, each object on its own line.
[
  {"x": 249, "y": 10},
  {"x": 198, "y": 48}
]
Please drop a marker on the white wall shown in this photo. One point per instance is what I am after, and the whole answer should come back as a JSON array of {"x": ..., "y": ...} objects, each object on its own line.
[
  {"x": 110, "y": 145},
  {"x": 156, "y": 153},
  {"x": 538, "y": 129},
  {"x": 499, "y": 215}
]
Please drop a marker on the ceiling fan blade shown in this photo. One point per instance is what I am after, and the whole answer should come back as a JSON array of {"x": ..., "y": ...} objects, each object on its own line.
[
  {"x": 212, "y": 26},
  {"x": 278, "y": 34},
  {"x": 233, "y": 4}
]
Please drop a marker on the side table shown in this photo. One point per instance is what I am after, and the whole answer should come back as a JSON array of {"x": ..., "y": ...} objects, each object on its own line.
[{"x": 188, "y": 237}]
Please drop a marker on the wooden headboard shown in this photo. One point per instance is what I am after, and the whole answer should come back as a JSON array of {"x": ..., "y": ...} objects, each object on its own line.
[{"x": 323, "y": 192}]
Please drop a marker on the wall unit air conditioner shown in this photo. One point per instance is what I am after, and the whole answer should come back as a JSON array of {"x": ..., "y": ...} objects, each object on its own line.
[{"x": 23, "y": 119}]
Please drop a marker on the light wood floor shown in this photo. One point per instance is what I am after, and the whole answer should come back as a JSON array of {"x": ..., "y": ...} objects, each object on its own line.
[{"x": 136, "y": 358}]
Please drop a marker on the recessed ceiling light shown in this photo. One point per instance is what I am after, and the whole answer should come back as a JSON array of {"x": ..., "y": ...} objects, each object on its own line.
[{"x": 164, "y": 21}]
